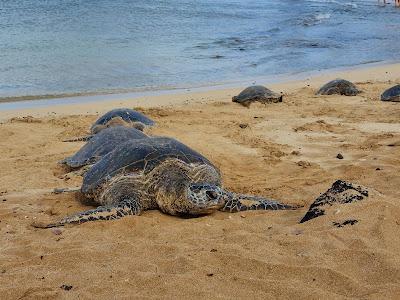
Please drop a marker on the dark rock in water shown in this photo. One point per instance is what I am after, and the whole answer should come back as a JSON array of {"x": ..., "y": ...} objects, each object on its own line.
[
  {"x": 257, "y": 93},
  {"x": 339, "y": 87},
  {"x": 345, "y": 223},
  {"x": 341, "y": 192},
  {"x": 392, "y": 94}
]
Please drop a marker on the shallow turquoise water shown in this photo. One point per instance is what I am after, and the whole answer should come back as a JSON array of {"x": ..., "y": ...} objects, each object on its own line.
[{"x": 83, "y": 46}]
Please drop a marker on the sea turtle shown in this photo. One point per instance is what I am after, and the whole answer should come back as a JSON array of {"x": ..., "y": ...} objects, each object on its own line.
[
  {"x": 341, "y": 192},
  {"x": 340, "y": 87},
  {"x": 392, "y": 94},
  {"x": 257, "y": 93},
  {"x": 162, "y": 173},
  {"x": 117, "y": 117},
  {"x": 101, "y": 144}
]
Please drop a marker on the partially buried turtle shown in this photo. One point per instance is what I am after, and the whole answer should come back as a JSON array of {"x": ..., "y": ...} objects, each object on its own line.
[
  {"x": 339, "y": 87},
  {"x": 392, "y": 94},
  {"x": 257, "y": 93},
  {"x": 117, "y": 117},
  {"x": 101, "y": 144},
  {"x": 161, "y": 173}
]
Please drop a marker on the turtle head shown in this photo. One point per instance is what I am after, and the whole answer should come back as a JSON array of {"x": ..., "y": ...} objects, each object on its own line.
[{"x": 205, "y": 198}]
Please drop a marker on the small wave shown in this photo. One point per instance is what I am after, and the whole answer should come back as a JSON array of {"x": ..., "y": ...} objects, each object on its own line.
[
  {"x": 315, "y": 19},
  {"x": 322, "y": 16},
  {"x": 346, "y": 4},
  {"x": 352, "y": 5}
]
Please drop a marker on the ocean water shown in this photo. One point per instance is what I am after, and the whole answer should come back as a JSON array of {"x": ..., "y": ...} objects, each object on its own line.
[{"x": 50, "y": 47}]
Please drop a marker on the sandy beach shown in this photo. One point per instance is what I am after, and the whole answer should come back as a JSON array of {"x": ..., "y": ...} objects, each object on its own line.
[{"x": 285, "y": 151}]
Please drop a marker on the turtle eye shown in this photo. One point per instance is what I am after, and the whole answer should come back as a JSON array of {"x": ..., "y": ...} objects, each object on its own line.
[{"x": 212, "y": 195}]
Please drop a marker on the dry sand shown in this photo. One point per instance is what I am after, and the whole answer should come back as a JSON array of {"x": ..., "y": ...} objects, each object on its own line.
[{"x": 287, "y": 151}]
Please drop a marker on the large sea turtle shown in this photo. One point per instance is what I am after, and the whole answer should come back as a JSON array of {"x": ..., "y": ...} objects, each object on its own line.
[
  {"x": 101, "y": 144},
  {"x": 392, "y": 94},
  {"x": 117, "y": 117},
  {"x": 161, "y": 173},
  {"x": 339, "y": 87},
  {"x": 257, "y": 93}
]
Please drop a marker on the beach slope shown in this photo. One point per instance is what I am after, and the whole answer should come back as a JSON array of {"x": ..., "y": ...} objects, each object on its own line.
[{"x": 287, "y": 151}]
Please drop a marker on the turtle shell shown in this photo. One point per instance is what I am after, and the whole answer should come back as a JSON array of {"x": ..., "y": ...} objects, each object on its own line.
[
  {"x": 257, "y": 93},
  {"x": 135, "y": 156},
  {"x": 392, "y": 94},
  {"x": 101, "y": 144},
  {"x": 127, "y": 114},
  {"x": 339, "y": 87}
]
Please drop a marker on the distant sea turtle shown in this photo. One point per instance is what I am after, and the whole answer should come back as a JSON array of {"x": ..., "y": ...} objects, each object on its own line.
[
  {"x": 161, "y": 173},
  {"x": 117, "y": 117},
  {"x": 257, "y": 93},
  {"x": 341, "y": 192},
  {"x": 340, "y": 87},
  {"x": 101, "y": 144},
  {"x": 392, "y": 94}
]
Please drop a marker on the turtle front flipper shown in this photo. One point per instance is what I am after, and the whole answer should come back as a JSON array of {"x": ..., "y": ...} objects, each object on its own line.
[
  {"x": 119, "y": 210},
  {"x": 80, "y": 139},
  {"x": 238, "y": 202}
]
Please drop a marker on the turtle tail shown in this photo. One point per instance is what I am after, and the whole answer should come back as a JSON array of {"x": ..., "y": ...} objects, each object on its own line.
[
  {"x": 66, "y": 190},
  {"x": 80, "y": 139}
]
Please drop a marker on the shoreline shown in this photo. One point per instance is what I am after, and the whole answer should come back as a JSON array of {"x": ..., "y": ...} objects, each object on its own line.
[
  {"x": 206, "y": 86},
  {"x": 377, "y": 71}
]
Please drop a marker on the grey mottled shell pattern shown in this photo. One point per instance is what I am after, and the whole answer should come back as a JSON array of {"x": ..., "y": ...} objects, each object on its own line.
[
  {"x": 127, "y": 114},
  {"x": 392, "y": 94},
  {"x": 257, "y": 93},
  {"x": 339, "y": 87},
  {"x": 101, "y": 144},
  {"x": 136, "y": 156}
]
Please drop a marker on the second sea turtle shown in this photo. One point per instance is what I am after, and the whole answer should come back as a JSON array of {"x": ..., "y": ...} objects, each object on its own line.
[{"x": 101, "y": 144}]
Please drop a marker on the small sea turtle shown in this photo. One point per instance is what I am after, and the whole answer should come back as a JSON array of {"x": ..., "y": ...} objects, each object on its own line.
[
  {"x": 341, "y": 192},
  {"x": 117, "y": 117},
  {"x": 126, "y": 114},
  {"x": 339, "y": 87},
  {"x": 257, "y": 93},
  {"x": 101, "y": 144},
  {"x": 392, "y": 94},
  {"x": 161, "y": 173}
]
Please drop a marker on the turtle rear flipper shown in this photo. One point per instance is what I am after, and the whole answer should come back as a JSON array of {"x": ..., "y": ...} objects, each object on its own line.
[
  {"x": 237, "y": 202},
  {"x": 121, "y": 209},
  {"x": 80, "y": 139}
]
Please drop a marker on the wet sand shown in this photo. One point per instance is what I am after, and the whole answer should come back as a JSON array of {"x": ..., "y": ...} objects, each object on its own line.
[{"x": 285, "y": 151}]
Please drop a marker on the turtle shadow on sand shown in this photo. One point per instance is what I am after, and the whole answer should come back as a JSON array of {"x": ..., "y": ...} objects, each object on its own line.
[
  {"x": 158, "y": 173},
  {"x": 125, "y": 117}
]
